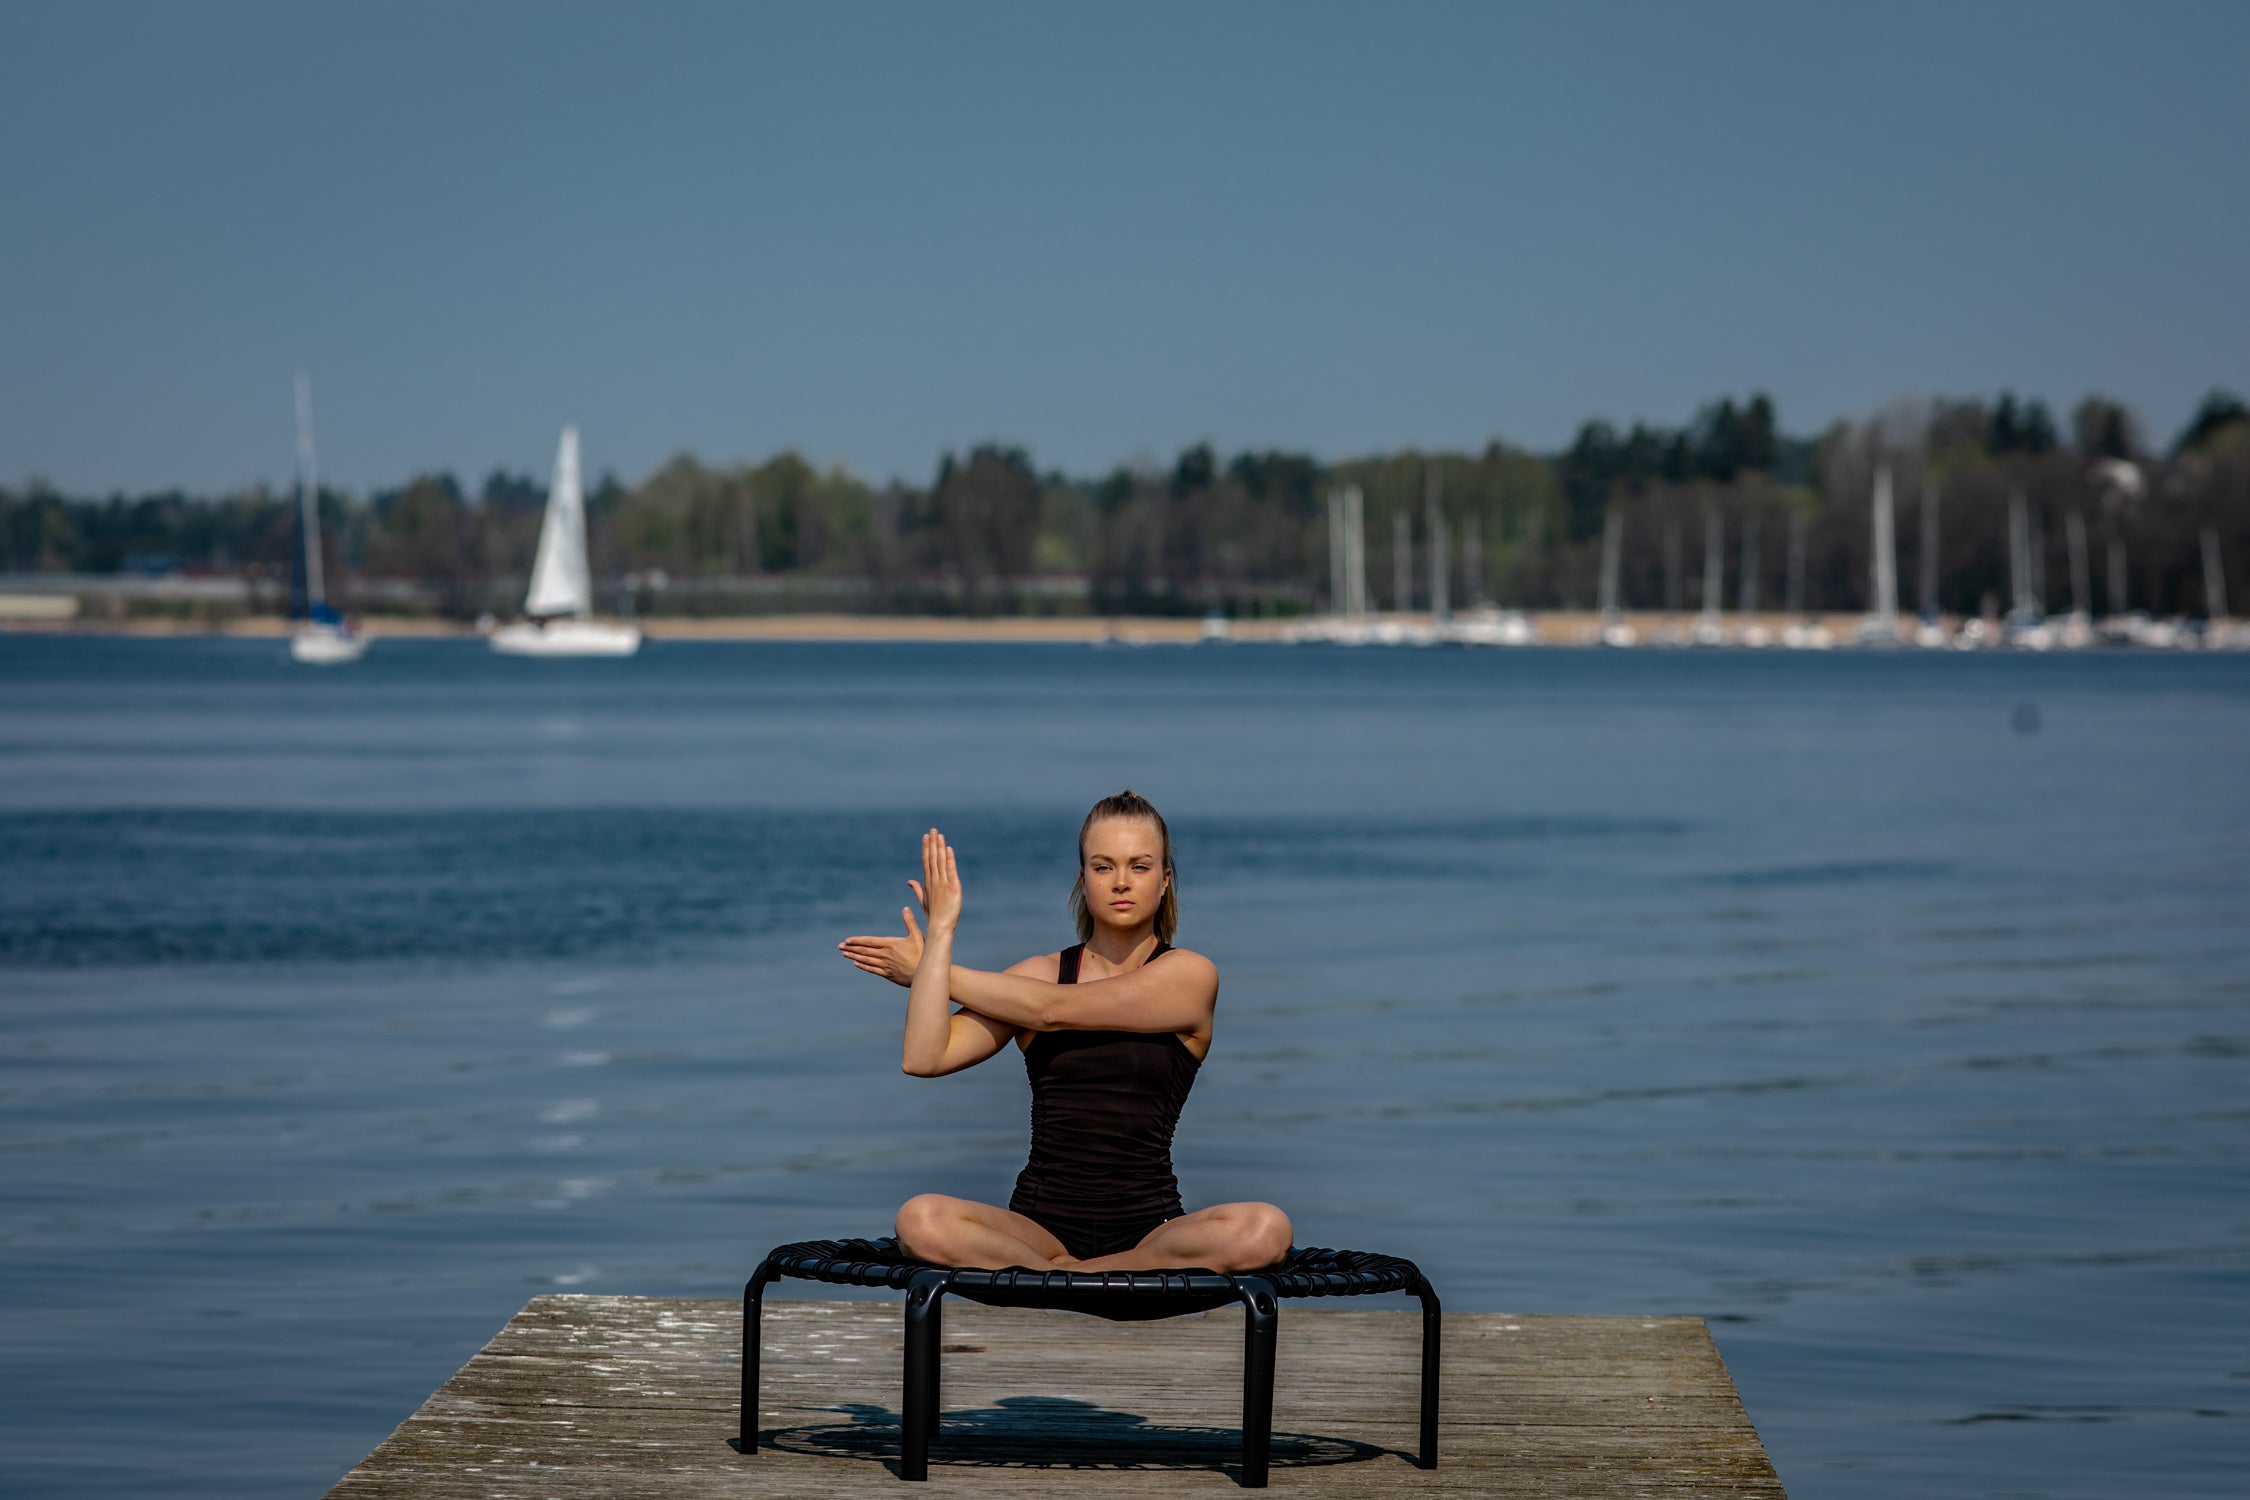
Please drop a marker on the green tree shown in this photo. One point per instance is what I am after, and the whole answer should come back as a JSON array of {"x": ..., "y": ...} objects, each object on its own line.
[
  {"x": 2219, "y": 411},
  {"x": 985, "y": 513},
  {"x": 1591, "y": 468},
  {"x": 2101, "y": 428}
]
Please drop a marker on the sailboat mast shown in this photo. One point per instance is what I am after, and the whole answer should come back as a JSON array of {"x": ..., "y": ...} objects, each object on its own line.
[
  {"x": 1613, "y": 547},
  {"x": 1926, "y": 553},
  {"x": 1885, "y": 550},
  {"x": 1714, "y": 561},
  {"x": 1355, "y": 534},
  {"x": 2035, "y": 541},
  {"x": 308, "y": 496},
  {"x": 1336, "y": 604},
  {"x": 2081, "y": 571},
  {"x": 1402, "y": 560},
  {"x": 1793, "y": 580},
  {"x": 2019, "y": 555},
  {"x": 1746, "y": 583},
  {"x": 1472, "y": 558},
  {"x": 1441, "y": 572}
]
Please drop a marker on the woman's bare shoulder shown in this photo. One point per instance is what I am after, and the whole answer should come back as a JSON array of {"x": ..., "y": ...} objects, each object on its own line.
[
  {"x": 1047, "y": 966},
  {"x": 1188, "y": 959}
]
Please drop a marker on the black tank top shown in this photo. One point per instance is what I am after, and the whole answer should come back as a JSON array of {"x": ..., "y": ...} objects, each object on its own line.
[{"x": 1103, "y": 1108}]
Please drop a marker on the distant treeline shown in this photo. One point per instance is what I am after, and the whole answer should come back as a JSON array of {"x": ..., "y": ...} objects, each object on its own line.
[{"x": 1788, "y": 519}]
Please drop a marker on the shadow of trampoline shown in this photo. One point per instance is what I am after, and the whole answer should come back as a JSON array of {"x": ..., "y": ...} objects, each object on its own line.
[{"x": 1042, "y": 1432}]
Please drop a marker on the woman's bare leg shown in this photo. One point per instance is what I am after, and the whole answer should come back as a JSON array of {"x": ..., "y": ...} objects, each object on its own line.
[
  {"x": 961, "y": 1232},
  {"x": 1230, "y": 1237}
]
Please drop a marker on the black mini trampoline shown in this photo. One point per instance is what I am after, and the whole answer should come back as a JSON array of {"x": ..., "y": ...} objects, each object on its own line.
[{"x": 1122, "y": 1296}]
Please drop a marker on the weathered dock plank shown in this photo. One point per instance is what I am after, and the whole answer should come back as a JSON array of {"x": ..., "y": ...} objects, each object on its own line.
[{"x": 630, "y": 1397}]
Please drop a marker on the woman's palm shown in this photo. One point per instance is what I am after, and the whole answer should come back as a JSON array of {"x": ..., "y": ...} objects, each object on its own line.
[{"x": 941, "y": 880}]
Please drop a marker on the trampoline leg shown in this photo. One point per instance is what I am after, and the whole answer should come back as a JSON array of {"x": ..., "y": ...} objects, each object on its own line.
[
  {"x": 1433, "y": 1328},
  {"x": 753, "y": 1321},
  {"x": 933, "y": 1399},
  {"x": 1260, "y": 1323},
  {"x": 918, "y": 1404}
]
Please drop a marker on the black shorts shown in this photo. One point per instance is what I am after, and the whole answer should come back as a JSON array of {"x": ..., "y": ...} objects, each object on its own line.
[{"x": 1086, "y": 1239}]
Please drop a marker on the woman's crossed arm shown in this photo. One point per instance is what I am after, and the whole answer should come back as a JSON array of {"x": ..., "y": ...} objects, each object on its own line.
[
  {"x": 940, "y": 1040},
  {"x": 1175, "y": 995}
]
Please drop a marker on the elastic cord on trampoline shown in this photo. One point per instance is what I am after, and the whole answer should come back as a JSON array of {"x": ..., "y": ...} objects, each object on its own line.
[{"x": 1122, "y": 1296}]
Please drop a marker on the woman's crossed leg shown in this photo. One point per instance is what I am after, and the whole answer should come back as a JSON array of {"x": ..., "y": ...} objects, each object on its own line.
[
  {"x": 1229, "y": 1237},
  {"x": 962, "y": 1232}
]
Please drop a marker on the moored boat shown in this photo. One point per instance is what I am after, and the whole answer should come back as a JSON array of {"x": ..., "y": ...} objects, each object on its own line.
[{"x": 321, "y": 637}]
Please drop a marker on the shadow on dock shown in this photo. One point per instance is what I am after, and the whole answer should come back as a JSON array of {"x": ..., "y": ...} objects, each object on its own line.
[{"x": 1044, "y": 1432}]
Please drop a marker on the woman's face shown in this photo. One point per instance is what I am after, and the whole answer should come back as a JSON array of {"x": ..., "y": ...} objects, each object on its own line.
[{"x": 1122, "y": 867}]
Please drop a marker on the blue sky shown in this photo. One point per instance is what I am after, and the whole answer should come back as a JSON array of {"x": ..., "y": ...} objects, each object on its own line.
[{"x": 874, "y": 231}]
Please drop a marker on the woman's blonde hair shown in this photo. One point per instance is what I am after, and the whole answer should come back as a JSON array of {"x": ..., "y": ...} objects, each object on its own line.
[{"x": 1127, "y": 804}]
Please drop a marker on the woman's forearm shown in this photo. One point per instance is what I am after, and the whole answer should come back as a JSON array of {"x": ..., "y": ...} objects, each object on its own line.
[
  {"x": 1176, "y": 996},
  {"x": 929, "y": 1012},
  {"x": 1016, "y": 999}
]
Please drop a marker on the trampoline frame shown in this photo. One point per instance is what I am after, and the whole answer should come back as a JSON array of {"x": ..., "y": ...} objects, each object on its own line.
[{"x": 1118, "y": 1295}]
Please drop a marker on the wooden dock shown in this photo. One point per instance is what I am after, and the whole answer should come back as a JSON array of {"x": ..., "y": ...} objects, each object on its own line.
[{"x": 630, "y": 1397}]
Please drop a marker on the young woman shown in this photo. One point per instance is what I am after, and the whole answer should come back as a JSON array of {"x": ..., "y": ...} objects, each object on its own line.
[{"x": 1112, "y": 1033}]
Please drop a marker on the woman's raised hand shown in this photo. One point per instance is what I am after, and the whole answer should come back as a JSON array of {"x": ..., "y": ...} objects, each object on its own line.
[
  {"x": 940, "y": 889},
  {"x": 892, "y": 958},
  {"x": 895, "y": 958}
]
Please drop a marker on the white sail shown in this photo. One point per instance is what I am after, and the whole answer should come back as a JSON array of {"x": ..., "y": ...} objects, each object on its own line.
[{"x": 560, "y": 584}]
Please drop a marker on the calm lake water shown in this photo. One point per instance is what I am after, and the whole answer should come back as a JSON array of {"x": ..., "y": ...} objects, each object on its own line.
[{"x": 1892, "y": 1012}]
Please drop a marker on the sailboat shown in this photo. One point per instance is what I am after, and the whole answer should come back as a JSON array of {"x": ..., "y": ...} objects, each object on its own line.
[
  {"x": 321, "y": 638},
  {"x": 560, "y": 606}
]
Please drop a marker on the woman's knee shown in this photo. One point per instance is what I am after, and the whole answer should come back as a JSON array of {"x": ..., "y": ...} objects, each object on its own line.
[
  {"x": 924, "y": 1219},
  {"x": 1261, "y": 1235},
  {"x": 1273, "y": 1232}
]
